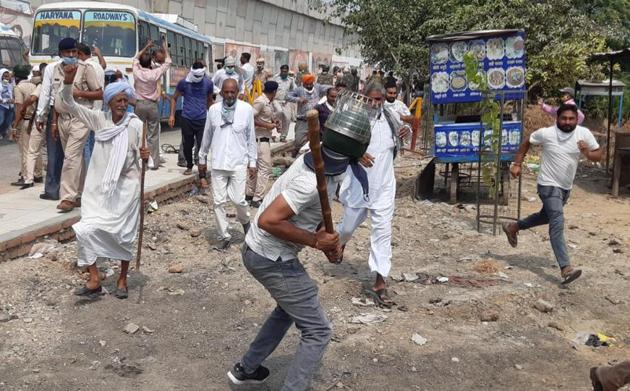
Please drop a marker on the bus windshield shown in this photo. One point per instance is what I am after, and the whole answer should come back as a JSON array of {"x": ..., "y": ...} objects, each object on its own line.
[
  {"x": 114, "y": 32},
  {"x": 52, "y": 26},
  {"x": 10, "y": 52}
]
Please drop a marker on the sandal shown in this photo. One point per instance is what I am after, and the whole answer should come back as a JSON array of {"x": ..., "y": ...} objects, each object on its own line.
[
  {"x": 511, "y": 236},
  {"x": 569, "y": 274},
  {"x": 85, "y": 291},
  {"x": 381, "y": 297},
  {"x": 120, "y": 293}
]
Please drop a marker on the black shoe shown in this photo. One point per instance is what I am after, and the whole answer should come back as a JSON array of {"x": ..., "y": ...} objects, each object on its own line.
[
  {"x": 222, "y": 245},
  {"x": 45, "y": 196},
  {"x": 249, "y": 198},
  {"x": 19, "y": 182},
  {"x": 38, "y": 179},
  {"x": 238, "y": 376},
  {"x": 255, "y": 204},
  {"x": 246, "y": 228},
  {"x": 26, "y": 186},
  {"x": 182, "y": 163}
]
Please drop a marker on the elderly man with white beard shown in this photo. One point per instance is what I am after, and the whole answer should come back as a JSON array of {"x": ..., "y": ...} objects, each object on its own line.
[{"x": 111, "y": 197}]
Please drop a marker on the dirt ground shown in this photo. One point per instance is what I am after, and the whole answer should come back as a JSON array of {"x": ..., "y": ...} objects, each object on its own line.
[{"x": 194, "y": 325}]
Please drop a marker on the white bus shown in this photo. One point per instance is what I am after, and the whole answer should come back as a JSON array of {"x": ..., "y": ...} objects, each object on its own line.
[{"x": 119, "y": 31}]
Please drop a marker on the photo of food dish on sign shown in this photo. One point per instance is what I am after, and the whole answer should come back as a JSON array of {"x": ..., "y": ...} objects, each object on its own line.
[{"x": 501, "y": 62}]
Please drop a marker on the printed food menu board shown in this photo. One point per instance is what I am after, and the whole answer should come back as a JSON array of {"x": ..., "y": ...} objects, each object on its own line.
[
  {"x": 460, "y": 142},
  {"x": 501, "y": 61}
]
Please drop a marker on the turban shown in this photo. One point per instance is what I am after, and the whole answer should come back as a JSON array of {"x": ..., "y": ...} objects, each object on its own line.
[
  {"x": 67, "y": 44},
  {"x": 308, "y": 78},
  {"x": 270, "y": 86},
  {"x": 229, "y": 61},
  {"x": 116, "y": 88}
]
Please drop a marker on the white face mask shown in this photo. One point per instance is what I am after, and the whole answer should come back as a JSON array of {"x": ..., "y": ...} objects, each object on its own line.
[{"x": 5, "y": 82}]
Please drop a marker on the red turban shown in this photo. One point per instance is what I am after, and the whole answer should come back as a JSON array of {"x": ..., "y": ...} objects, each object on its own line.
[{"x": 308, "y": 78}]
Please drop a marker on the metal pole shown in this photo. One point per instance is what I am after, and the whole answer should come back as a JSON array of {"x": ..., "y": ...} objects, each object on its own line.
[
  {"x": 479, "y": 176},
  {"x": 609, "y": 115},
  {"x": 497, "y": 175}
]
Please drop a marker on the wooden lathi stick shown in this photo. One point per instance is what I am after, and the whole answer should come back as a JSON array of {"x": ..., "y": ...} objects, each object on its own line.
[
  {"x": 322, "y": 189},
  {"x": 141, "y": 225}
]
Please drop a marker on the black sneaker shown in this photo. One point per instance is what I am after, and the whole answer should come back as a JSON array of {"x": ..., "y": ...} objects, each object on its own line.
[
  {"x": 38, "y": 179},
  {"x": 255, "y": 204},
  {"x": 238, "y": 376},
  {"x": 249, "y": 198}
]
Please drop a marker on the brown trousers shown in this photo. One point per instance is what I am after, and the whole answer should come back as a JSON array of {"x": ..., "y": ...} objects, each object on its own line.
[
  {"x": 73, "y": 134},
  {"x": 258, "y": 186}
]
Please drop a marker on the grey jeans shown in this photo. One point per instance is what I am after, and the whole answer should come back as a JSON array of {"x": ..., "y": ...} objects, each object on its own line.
[
  {"x": 147, "y": 111},
  {"x": 297, "y": 301},
  {"x": 553, "y": 199}
]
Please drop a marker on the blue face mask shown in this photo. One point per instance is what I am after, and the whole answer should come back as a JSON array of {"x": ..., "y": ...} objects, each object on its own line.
[
  {"x": 69, "y": 60},
  {"x": 284, "y": 77}
]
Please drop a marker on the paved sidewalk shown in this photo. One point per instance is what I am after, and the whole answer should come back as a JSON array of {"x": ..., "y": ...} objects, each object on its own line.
[{"x": 25, "y": 218}]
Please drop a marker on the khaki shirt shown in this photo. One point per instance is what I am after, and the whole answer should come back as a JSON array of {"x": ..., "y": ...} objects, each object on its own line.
[
  {"x": 263, "y": 75},
  {"x": 85, "y": 80},
  {"x": 22, "y": 93},
  {"x": 263, "y": 110}
]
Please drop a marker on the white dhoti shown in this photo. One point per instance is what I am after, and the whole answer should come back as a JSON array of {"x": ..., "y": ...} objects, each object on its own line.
[
  {"x": 379, "y": 205},
  {"x": 108, "y": 224},
  {"x": 229, "y": 184}
]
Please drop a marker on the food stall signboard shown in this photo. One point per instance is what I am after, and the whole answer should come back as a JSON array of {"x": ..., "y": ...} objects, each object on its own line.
[
  {"x": 460, "y": 142},
  {"x": 501, "y": 59}
]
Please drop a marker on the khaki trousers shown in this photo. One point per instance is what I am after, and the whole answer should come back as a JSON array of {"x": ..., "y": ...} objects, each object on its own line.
[
  {"x": 34, "y": 159},
  {"x": 286, "y": 115},
  {"x": 73, "y": 134},
  {"x": 147, "y": 111},
  {"x": 258, "y": 186},
  {"x": 24, "y": 142}
]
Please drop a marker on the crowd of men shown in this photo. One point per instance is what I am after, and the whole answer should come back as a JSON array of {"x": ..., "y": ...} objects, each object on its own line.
[{"x": 91, "y": 122}]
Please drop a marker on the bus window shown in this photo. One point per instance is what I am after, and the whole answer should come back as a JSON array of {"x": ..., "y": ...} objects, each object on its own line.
[
  {"x": 180, "y": 50},
  {"x": 200, "y": 55},
  {"x": 143, "y": 34},
  {"x": 50, "y": 27},
  {"x": 155, "y": 34},
  {"x": 187, "y": 43},
  {"x": 10, "y": 52},
  {"x": 170, "y": 38},
  {"x": 111, "y": 31}
]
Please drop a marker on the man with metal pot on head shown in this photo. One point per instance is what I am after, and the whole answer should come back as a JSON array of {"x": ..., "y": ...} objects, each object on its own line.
[
  {"x": 287, "y": 221},
  {"x": 387, "y": 132}
]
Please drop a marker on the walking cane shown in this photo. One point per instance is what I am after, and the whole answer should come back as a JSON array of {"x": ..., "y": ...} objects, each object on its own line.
[
  {"x": 141, "y": 227},
  {"x": 322, "y": 189}
]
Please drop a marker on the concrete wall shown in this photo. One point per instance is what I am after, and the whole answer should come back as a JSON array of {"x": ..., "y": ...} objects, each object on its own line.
[{"x": 287, "y": 24}]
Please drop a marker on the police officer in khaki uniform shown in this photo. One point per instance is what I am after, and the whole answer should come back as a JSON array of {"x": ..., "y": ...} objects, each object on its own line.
[
  {"x": 87, "y": 88},
  {"x": 266, "y": 120}
]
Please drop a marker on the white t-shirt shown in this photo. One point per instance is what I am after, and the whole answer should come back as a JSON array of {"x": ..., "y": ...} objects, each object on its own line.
[
  {"x": 298, "y": 186},
  {"x": 398, "y": 107},
  {"x": 560, "y": 154}
]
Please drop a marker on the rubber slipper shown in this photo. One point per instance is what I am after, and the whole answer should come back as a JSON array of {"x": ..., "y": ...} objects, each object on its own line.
[
  {"x": 511, "y": 237},
  {"x": 571, "y": 276},
  {"x": 121, "y": 293},
  {"x": 85, "y": 291},
  {"x": 380, "y": 297}
]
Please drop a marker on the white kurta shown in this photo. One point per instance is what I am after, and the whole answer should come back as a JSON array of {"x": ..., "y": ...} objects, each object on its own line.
[
  {"x": 380, "y": 205},
  {"x": 108, "y": 228}
]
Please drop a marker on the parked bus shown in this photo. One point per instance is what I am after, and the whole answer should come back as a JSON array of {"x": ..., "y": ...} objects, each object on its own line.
[
  {"x": 119, "y": 31},
  {"x": 12, "y": 48}
]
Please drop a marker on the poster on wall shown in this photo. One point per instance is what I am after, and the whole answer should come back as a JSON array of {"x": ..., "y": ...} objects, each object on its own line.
[
  {"x": 297, "y": 57},
  {"x": 281, "y": 57},
  {"x": 501, "y": 59},
  {"x": 320, "y": 59},
  {"x": 235, "y": 50}
]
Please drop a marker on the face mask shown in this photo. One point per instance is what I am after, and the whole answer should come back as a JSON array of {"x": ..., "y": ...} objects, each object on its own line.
[
  {"x": 229, "y": 71},
  {"x": 260, "y": 67},
  {"x": 69, "y": 60},
  {"x": 5, "y": 82},
  {"x": 229, "y": 102},
  {"x": 284, "y": 77},
  {"x": 36, "y": 79}
]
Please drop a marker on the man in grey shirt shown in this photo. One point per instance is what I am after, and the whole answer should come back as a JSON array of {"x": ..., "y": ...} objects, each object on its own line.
[{"x": 287, "y": 221}]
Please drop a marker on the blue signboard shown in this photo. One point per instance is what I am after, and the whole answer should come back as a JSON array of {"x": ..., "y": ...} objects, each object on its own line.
[
  {"x": 501, "y": 59},
  {"x": 460, "y": 142}
]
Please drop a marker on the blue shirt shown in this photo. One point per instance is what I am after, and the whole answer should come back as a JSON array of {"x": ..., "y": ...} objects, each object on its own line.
[{"x": 195, "y": 96}]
